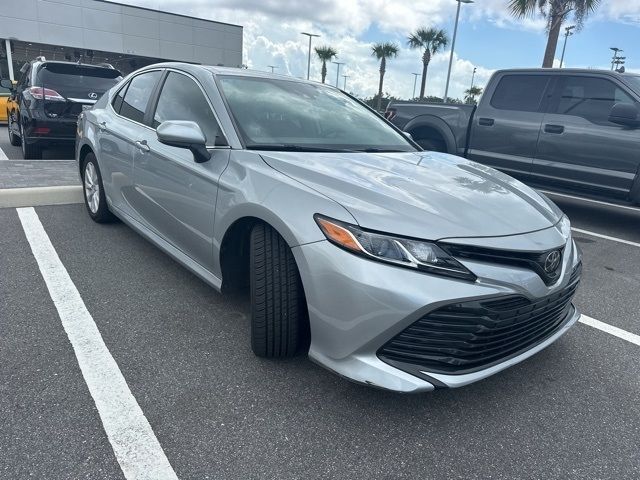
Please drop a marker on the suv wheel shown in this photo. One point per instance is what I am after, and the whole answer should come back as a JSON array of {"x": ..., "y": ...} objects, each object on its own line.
[
  {"x": 94, "y": 198},
  {"x": 13, "y": 138},
  {"x": 29, "y": 152},
  {"x": 279, "y": 319}
]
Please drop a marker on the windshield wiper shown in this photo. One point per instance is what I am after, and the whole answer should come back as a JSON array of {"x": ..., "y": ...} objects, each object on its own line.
[
  {"x": 379, "y": 150},
  {"x": 285, "y": 147}
]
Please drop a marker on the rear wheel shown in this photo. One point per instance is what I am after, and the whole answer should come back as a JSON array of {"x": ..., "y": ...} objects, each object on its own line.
[
  {"x": 432, "y": 145},
  {"x": 13, "y": 138},
  {"x": 94, "y": 198},
  {"x": 279, "y": 319},
  {"x": 29, "y": 151}
]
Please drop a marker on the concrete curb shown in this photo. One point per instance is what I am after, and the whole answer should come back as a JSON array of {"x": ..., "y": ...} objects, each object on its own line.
[{"x": 36, "y": 196}]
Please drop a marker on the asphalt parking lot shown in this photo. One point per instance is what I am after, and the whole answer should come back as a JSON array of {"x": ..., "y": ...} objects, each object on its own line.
[{"x": 217, "y": 411}]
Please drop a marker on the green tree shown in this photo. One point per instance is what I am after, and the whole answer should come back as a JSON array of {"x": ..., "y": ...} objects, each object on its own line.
[
  {"x": 471, "y": 93},
  {"x": 382, "y": 51},
  {"x": 555, "y": 13},
  {"x": 431, "y": 41},
  {"x": 325, "y": 54}
]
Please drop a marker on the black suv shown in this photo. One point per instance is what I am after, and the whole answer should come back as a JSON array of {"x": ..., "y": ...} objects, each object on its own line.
[{"x": 43, "y": 107}]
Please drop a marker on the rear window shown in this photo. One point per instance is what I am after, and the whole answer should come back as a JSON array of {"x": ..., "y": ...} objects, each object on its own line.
[
  {"x": 520, "y": 92},
  {"x": 77, "y": 80}
]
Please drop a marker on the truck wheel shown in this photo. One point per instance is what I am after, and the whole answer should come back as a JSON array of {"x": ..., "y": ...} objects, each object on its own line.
[
  {"x": 279, "y": 319},
  {"x": 432, "y": 145}
]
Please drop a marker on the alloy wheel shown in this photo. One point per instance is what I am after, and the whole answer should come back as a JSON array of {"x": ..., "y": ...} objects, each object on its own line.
[{"x": 91, "y": 187}]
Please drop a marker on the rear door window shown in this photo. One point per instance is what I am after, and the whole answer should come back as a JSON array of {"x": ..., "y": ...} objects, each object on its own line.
[
  {"x": 138, "y": 94},
  {"x": 590, "y": 98},
  {"x": 523, "y": 93},
  {"x": 77, "y": 81}
]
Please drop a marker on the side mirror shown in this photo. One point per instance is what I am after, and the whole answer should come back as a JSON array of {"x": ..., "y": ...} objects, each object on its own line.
[
  {"x": 6, "y": 83},
  {"x": 625, "y": 114},
  {"x": 184, "y": 134}
]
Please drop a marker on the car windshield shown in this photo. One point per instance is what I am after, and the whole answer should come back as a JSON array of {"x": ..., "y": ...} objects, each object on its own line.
[
  {"x": 77, "y": 80},
  {"x": 277, "y": 114}
]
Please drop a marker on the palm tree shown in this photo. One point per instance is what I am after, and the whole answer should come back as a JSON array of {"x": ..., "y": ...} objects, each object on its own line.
[
  {"x": 325, "y": 54},
  {"x": 555, "y": 12},
  {"x": 471, "y": 94},
  {"x": 382, "y": 51},
  {"x": 431, "y": 41}
]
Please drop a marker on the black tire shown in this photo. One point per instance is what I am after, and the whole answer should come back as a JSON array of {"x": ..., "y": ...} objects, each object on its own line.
[
  {"x": 101, "y": 213},
  {"x": 29, "y": 151},
  {"x": 279, "y": 318},
  {"x": 13, "y": 138},
  {"x": 432, "y": 145}
]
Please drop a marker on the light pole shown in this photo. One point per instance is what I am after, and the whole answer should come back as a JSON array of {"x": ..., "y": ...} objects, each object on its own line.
[
  {"x": 616, "y": 50},
  {"x": 272, "y": 67},
  {"x": 338, "y": 72},
  {"x": 344, "y": 86},
  {"x": 415, "y": 80},
  {"x": 453, "y": 46},
  {"x": 473, "y": 75},
  {"x": 310, "y": 35},
  {"x": 567, "y": 34}
]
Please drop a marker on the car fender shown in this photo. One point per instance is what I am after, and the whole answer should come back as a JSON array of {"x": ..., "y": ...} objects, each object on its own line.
[
  {"x": 251, "y": 189},
  {"x": 437, "y": 124}
]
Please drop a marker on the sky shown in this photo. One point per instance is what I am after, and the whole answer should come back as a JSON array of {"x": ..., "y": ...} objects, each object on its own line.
[{"x": 488, "y": 38}]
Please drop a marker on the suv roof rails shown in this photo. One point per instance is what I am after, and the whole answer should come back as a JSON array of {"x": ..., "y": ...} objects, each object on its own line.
[{"x": 105, "y": 65}]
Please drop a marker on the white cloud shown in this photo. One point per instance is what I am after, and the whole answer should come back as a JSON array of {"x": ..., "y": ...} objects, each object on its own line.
[{"x": 272, "y": 35}]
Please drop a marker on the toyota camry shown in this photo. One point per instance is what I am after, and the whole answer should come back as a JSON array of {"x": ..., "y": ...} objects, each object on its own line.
[{"x": 394, "y": 267}]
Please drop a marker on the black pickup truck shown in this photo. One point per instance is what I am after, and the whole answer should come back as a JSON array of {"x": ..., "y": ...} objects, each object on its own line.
[{"x": 569, "y": 130}]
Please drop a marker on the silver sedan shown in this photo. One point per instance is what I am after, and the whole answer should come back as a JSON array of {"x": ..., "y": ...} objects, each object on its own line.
[{"x": 393, "y": 267}]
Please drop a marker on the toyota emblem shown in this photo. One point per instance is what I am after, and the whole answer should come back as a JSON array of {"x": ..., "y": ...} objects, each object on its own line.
[
  {"x": 93, "y": 95},
  {"x": 552, "y": 262}
]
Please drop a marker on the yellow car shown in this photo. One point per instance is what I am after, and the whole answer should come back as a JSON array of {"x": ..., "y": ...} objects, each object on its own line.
[{"x": 4, "y": 96}]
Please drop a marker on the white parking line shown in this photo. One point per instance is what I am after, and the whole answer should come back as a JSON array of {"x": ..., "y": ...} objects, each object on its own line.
[
  {"x": 3, "y": 156},
  {"x": 590, "y": 200},
  {"x": 610, "y": 329},
  {"x": 136, "y": 447},
  {"x": 607, "y": 237}
]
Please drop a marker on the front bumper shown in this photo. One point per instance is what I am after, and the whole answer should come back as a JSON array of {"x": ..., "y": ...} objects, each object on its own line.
[{"x": 357, "y": 305}]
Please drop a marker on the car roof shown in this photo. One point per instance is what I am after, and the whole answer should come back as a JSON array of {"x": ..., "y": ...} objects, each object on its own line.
[
  {"x": 562, "y": 71},
  {"x": 217, "y": 70}
]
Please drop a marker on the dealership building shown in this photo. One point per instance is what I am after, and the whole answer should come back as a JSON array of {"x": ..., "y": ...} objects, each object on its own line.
[{"x": 100, "y": 31}]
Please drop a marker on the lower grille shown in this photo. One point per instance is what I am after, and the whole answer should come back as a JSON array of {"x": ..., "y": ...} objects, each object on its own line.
[{"x": 469, "y": 336}]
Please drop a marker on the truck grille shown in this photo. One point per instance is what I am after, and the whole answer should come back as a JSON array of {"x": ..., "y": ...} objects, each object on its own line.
[{"x": 469, "y": 336}]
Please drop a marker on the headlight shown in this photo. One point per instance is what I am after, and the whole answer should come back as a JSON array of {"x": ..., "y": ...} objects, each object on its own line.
[{"x": 404, "y": 252}]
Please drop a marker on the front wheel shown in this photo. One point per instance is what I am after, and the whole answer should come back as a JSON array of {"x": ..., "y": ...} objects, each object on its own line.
[
  {"x": 279, "y": 319},
  {"x": 94, "y": 198}
]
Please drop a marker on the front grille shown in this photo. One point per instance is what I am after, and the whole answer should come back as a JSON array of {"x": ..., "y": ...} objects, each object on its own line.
[
  {"x": 469, "y": 336},
  {"x": 536, "y": 261}
]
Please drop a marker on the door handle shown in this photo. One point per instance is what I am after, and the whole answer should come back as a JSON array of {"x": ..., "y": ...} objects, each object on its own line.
[
  {"x": 486, "y": 122},
  {"x": 548, "y": 128},
  {"x": 142, "y": 146}
]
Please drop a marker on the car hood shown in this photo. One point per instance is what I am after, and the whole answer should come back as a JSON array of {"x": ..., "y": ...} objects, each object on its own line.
[{"x": 421, "y": 194}]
